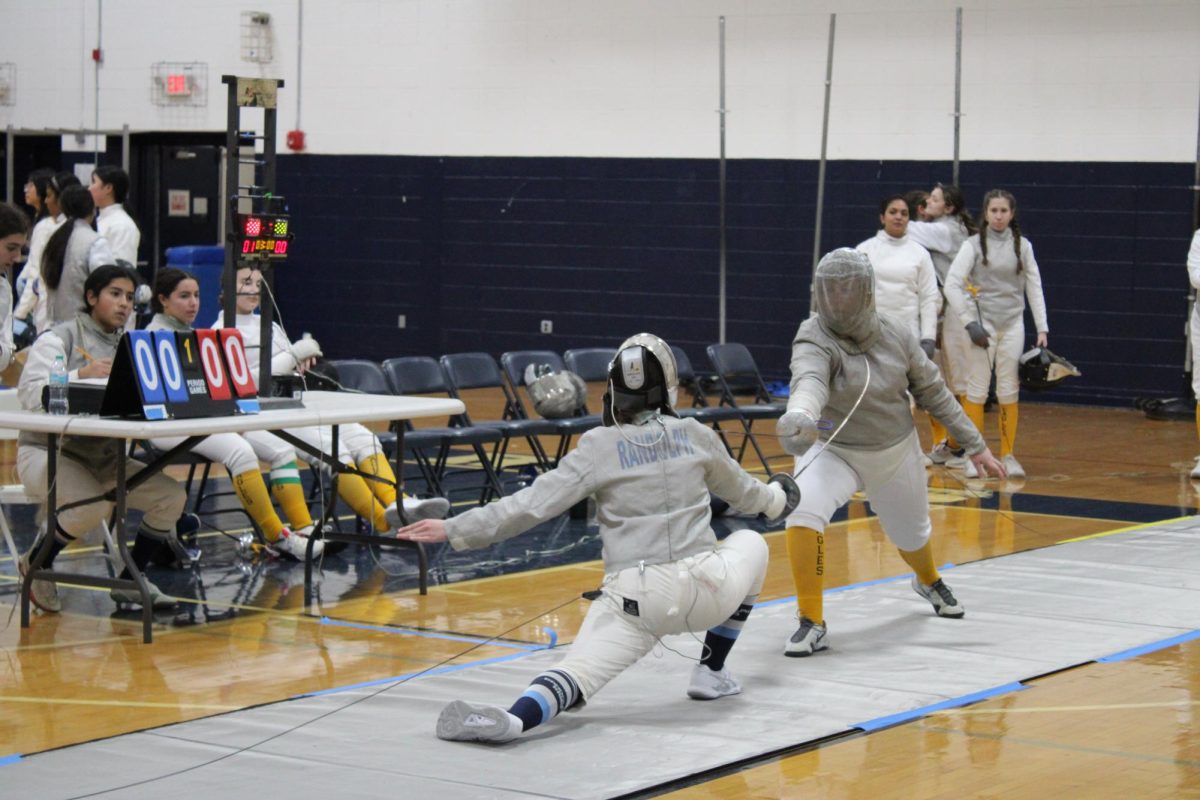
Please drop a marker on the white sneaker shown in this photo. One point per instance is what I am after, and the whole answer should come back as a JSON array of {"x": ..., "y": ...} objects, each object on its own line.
[
  {"x": 132, "y": 597},
  {"x": 1196, "y": 468},
  {"x": 43, "y": 594},
  {"x": 940, "y": 596},
  {"x": 808, "y": 639},
  {"x": 928, "y": 461},
  {"x": 1013, "y": 467},
  {"x": 957, "y": 462},
  {"x": 294, "y": 544},
  {"x": 942, "y": 454},
  {"x": 709, "y": 685},
  {"x": 969, "y": 469},
  {"x": 469, "y": 722},
  {"x": 416, "y": 508}
]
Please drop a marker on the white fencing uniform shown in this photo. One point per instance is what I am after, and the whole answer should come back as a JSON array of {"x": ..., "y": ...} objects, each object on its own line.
[
  {"x": 999, "y": 307},
  {"x": 1193, "y": 266},
  {"x": 905, "y": 283},
  {"x": 665, "y": 572},
  {"x": 115, "y": 225},
  {"x": 943, "y": 238}
]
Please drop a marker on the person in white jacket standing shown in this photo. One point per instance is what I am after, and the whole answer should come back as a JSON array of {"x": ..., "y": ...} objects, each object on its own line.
[
  {"x": 110, "y": 188},
  {"x": 905, "y": 286},
  {"x": 947, "y": 226},
  {"x": 987, "y": 286},
  {"x": 1193, "y": 266},
  {"x": 665, "y": 571}
]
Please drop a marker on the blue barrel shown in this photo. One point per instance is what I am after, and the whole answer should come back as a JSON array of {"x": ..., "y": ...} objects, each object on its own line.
[{"x": 206, "y": 262}]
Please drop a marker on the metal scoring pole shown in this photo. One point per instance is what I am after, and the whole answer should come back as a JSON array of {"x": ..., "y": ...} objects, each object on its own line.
[
  {"x": 824, "y": 145},
  {"x": 250, "y": 197},
  {"x": 721, "y": 182}
]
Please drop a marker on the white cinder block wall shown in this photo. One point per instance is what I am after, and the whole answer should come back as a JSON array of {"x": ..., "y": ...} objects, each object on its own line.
[{"x": 1042, "y": 79}]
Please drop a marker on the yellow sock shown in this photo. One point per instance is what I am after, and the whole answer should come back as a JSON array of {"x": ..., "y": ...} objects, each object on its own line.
[
  {"x": 922, "y": 563},
  {"x": 288, "y": 491},
  {"x": 355, "y": 492},
  {"x": 1008, "y": 428},
  {"x": 257, "y": 501},
  {"x": 806, "y": 551},
  {"x": 378, "y": 464},
  {"x": 974, "y": 413},
  {"x": 937, "y": 432},
  {"x": 1198, "y": 419},
  {"x": 951, "y": 442}
]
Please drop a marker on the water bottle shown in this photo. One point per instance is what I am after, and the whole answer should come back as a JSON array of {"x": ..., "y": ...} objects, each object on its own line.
[{"x": 58, "y": 387}]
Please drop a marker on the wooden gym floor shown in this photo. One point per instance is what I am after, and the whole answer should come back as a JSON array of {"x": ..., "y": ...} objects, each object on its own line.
[{"x": 1115, "y": 730}]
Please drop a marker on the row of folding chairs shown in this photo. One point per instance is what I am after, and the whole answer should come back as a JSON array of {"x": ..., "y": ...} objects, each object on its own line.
[{"x": 431, "y": 449}]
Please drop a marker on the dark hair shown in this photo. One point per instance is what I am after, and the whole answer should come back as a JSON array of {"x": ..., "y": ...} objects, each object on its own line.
[
  {"x": 891, "y": 198},
  {"x": 115, "y": 177},
  {"x": 101, "y": 277},
  {"x": 165, "y": 282},
  {"x": 61, "y": 181},
  {"x": 12, "y": 220},
  {"x": 76, "y": 203},
  {"x": 915, "y": 199},
  {"x": 1000, "y": 194},
  {"x": 40, "y": 178},
  {"x": 953, "y": 196}
]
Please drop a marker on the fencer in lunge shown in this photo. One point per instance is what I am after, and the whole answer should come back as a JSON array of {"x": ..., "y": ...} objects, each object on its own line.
[
  {"x": 855, "y": 368},
  {"x": 665, "y": 572}
]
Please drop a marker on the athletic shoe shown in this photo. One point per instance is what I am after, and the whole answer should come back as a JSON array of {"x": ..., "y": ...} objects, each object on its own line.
[
  {"x": 1013, "y": 467},
  {"x": 293, "y": 545},
  {"x": 808, "y": 639},
  {"x": 970, "y": 470},
  {"x": 42, "y": 593},
  {"x": 942, "y": 454},
  {"x": 928, "y": 460},
  {"x": 1196, "y": 468},
  {"x": 709, "y": 685},
  {"x": 132, "y": 597},
  {"x": 468, "y": 722},
  {"x": 416, "y": 509},
  {"x": 957, "y": 462},
  {"x": 940, "y": 596}
]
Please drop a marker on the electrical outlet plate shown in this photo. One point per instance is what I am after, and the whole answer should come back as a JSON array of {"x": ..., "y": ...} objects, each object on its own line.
[
  {"x": 402, "y": 321},
  {"x": 547, "y": 326}
]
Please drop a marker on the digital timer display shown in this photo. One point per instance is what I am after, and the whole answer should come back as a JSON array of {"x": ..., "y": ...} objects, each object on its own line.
[{"x": 264, "y": 236}]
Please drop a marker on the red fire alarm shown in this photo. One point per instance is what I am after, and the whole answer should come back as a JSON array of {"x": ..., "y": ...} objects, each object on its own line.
[{"x": 295, "y": 140}]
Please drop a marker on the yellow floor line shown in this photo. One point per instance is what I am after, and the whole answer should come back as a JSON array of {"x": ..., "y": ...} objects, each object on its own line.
[
  {"x": 1125, "y": 530},
  {"x": 1060, "y": 709},
  {"x": 62, "y": 701}
]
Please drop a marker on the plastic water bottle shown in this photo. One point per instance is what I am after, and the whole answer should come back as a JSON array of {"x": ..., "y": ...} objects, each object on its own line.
[{"x": 58, "y": 387}]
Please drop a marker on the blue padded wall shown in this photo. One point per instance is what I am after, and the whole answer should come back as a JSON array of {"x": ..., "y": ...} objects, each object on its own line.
[{"x": 475, "y": 252}]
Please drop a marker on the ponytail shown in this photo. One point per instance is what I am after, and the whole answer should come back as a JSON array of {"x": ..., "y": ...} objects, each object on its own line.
[{"x": 76, "y": 203}]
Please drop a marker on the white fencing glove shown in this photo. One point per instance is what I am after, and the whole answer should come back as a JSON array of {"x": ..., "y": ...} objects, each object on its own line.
[
  {"x": 291, "y": 359},
  {"x": 797, "y": 430},
  {"x": 785, "y": 496}
]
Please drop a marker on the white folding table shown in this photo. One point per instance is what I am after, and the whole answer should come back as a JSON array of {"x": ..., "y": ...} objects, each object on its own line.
[{"x": 320, "y": 408}]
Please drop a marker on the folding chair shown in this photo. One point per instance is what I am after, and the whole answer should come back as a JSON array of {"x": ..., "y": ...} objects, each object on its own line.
[
  {"x": 364, "y": 376},
  {"x": 421, "y": 375},
  {"x": 514, "y": 364},
  {"x": 467, "y": 371},
  {"x": 700, "y": 410},
  {"x": 737, "y": 373}
]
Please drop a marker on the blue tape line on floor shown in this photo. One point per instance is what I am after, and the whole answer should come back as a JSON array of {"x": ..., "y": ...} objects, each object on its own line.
[
  {"x": 1125, "y": 655},
  {"x": 836, "y": 589},
  {"x": 954, "y": 702},
  {"x": 12, "y": 759},
  {"x": 430, "y": 635}
]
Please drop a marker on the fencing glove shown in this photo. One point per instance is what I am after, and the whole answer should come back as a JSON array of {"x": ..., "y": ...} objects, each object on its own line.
[
  {"x": 289, "y": 360},
  {"x": 928, "y": 346},
  {"x": 978, "y": 335},
  {"x": 797, "y": 430}
]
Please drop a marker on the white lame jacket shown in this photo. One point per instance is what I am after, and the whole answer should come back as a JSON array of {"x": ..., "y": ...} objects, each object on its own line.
[{"x": 905, "y": 283}]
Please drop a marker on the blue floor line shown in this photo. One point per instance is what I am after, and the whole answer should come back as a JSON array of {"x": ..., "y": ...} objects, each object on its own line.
[
  {"x": 429, "y": 635},
  {"x": 908, "y": 576},
  {"x": 1161, "y": 644},
  {"x": 954, "y": 702},
  {"x": 11, "y": 759}
]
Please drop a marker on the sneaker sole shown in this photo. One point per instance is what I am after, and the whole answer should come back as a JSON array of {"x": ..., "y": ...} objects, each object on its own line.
[
  {"x": 953, "y": 614},
  {"x": 452, "y": 728},
  {"x": 804, "y": 653},
  {"x": 22, "y": 568},
  {"x": 431, "y": 508},
  {"x": 698, "y": 695}
]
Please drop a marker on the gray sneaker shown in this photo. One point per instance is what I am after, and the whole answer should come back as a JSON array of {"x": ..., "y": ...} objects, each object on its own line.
[
  {"x": 940, "y": 597},
  {"x": 43, "y": 594},
  {"x": 416, "y": 508},
  {"x": 709, "y": 685},
  {"x": 808, "y": 639},
  {"x": 469, "y": 722},
  {"x": 132, "y": 597},
  {"x": 942, "y": 454}
]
